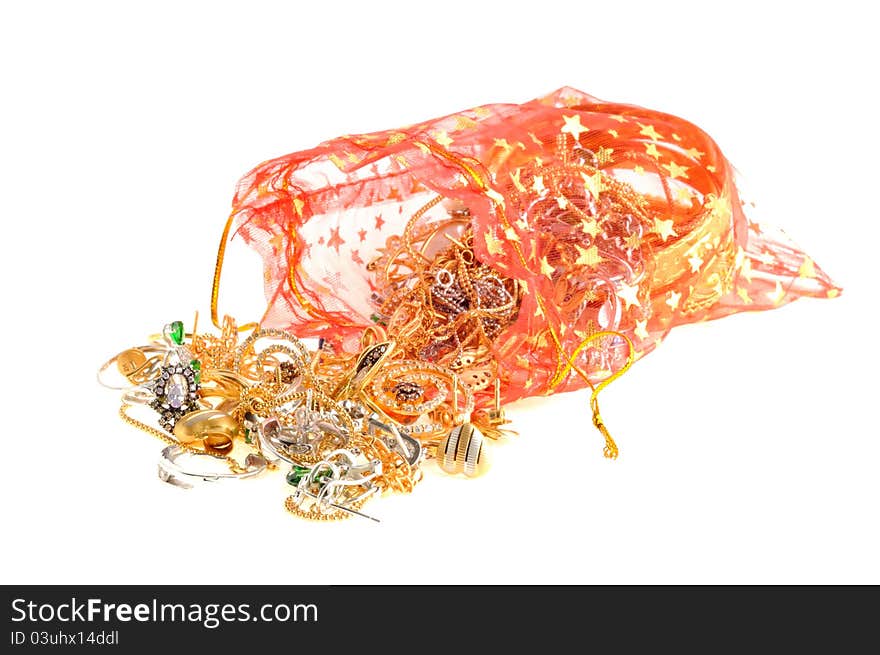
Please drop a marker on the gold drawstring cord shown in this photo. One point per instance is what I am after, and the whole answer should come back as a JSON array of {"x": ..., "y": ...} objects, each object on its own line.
[
  {"x": 610, "y": 451},
  {"x": 218, "y": 270}
]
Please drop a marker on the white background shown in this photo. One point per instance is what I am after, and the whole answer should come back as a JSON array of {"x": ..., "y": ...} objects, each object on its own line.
[{"x": 749, "y": 450}]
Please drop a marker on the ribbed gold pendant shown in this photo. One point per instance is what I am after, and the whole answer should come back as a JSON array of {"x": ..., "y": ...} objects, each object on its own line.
[{"x": 464, "y": 451}]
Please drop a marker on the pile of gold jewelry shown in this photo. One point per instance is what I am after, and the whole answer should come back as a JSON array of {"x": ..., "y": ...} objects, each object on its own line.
[{"x": 343, "y": 427}]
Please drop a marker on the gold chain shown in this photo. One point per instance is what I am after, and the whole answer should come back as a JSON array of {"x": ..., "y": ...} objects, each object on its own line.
[
  {"x": 234, "y": 466},
  {"x": 314, "y": 515}
]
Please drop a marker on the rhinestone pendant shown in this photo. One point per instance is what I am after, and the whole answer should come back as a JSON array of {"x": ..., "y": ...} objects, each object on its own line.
[{"x": 177, "y": 393}]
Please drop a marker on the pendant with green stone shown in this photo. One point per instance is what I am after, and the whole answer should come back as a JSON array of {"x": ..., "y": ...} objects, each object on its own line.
[{"x": 176, "y": 333}]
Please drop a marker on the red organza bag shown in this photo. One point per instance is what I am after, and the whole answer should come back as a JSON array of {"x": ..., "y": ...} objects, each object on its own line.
[{"x": 588, "y": 216}]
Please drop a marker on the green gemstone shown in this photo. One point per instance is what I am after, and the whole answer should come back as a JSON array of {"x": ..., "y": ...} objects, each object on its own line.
[
  {"x": 297, "y": 473},
  {"x": 177, "y": 332},
  {"x": 196, "y": 366},
  {"x": 247, "y": 436}
]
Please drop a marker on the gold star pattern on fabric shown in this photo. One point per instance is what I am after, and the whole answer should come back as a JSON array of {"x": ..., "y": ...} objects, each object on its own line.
[
  {"x": 395, "y": 138},
  {"x": 676, "y": 137},
  {"x": 807, "y": 268},
  {"x": 593, "y": 183},
  {"x": 719, "y": 205},
  {"x": 617, "y": 117},
  {"x": 583, "y": 335},
  {"x": 443, "y": 138},
  {"x": 778, "y": 294},
  {"x": 629, "y": 294},
  {"x": 603, "y": 155},
  {"x": 745, "y": 269},
  {"x": 573, "y": 126},
  {"x": 664, "y": 228},
  {"x": 503, "y": 144},
  {"x": 493, "y": 243},
  {"x": 495, "y": 197},
  {"x": 546, "y": 268},
  {"x": 511, "y": 234},
  {"x": 638, "y": 170},
  {"x": 569, "y": 97},
  {"x": 650, "y": 132},
  {"x": 641, "y": 330},
  {"x": 464, "y": 123},
  {"x": 765, "y": 258},
  {"x": 675, "y": 170},
  {"x": 590, "y": 295},
  {"x": 632, "y": 241},
  {"x": 696, "y": 262},
  {"x": 562, "y": 201},
  {"x": 614, "y": 133},
  {"x": 710, "y": 168},
  {"x": 538, "y": 185},
  {"x": 652, "y": 151},
  {"x": 693, "y": 153},
  {"x": 276, "y": 242},
  {"x": 673, "y": 300},
  {"x": 535, "y": 139},
  {"x": 590, "y": 226},
  {"x": 588, "y": 256},
  {"x": 744, "y": 295}
]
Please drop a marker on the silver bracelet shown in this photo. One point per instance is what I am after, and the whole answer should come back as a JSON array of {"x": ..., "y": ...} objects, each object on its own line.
[{"x": 171, "y": 471}]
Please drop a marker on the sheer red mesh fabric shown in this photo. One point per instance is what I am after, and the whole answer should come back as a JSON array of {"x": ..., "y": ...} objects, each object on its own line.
[{"x": 610, "y": 217}]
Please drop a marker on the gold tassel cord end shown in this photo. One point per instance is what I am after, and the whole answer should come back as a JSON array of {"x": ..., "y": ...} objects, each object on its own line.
[{"x": 611, "y": 450}]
